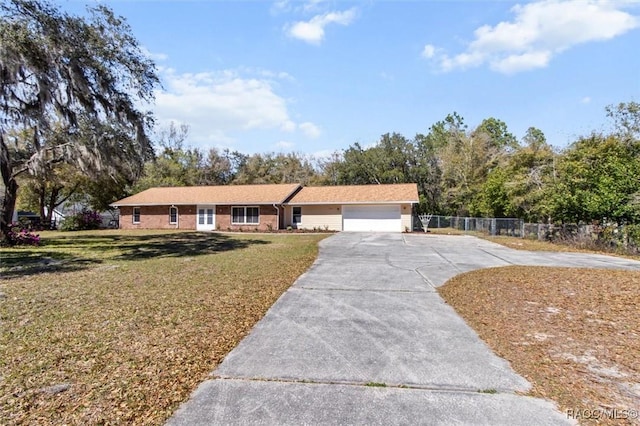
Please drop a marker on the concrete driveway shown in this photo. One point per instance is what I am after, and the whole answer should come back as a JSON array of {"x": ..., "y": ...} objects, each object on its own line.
[{"x": 363, "y": 338}]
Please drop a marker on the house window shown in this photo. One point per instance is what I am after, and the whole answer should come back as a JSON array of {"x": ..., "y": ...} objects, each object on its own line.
[
  {"x": 173, "y": 215},
  {"x": 245, "y": 215},
  {"x": 209, "y": 216},
  {"x": 136, "y": 215},
  {"x": 297, "y": 215},
  {"x": 200, "y": 216}
]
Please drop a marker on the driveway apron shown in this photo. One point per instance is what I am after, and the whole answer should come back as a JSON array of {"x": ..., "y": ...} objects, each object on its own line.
[{"x": 364, "y": 338}]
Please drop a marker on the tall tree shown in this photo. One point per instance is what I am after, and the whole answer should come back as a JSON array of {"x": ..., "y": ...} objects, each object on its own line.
[
  {"x": 218, "y": 167},
  {"x": 175, "y": 164},
  {"x": 531, "y": 171},
  {"x": 497, "y": 133},
  {"x": 329, "y": 169},
  {"x": 75, "y": 73},
  {"x": 597, "y": 180},
  {"x": 431, "y": 156},
  {"x": 391, "y": 160},
  {"x": 427, "y": 173},
  {"x": 276, "y": 168},
  {"x": 517, "y": 185},
  {"x": 626, "y": 120}
]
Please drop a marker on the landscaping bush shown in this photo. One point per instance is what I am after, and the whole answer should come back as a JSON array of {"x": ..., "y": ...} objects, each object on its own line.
[
  {"x": 22, "y": 235},
  {"x": 85, "y": 220}
]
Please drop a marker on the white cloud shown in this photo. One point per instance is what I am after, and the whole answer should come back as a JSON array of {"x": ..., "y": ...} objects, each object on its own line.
[
  {"x": 312, "y": 5},
  {"x": 586, "y": 100},
  {"x": 288, "y": 126},
  {"x": 310, "y": 129},
  {"x": 463, "y": 60},
  {"x": 267, "y": 74},
  {"x": 217, "y": 104},
  {"x": 429, "y": 51},
  {"x": 526, "y": 61},
  {"x": 539, "y": 31},
  {"x": 280, "y": 6},
  {"x": 312, "y": 31}
]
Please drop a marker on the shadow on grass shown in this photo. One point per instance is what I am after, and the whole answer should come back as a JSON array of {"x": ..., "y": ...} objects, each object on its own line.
[
  {"x": 69, "y": 252},
  {"x": 180, "y": 245},
  {"x": 21, "y": 263}
]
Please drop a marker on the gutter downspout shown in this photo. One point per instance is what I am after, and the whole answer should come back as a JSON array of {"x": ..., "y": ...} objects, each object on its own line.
[{"x": 278, "y": 216}]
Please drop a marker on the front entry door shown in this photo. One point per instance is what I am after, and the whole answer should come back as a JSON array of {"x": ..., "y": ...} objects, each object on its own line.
[{"x": 206, "y": 218}]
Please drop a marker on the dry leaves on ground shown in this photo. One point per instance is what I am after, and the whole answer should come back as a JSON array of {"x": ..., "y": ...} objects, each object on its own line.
[{"x": 573, "y": 333}]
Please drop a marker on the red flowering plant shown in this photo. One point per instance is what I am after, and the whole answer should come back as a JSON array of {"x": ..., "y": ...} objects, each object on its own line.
[{"x": 20, "y": 234}]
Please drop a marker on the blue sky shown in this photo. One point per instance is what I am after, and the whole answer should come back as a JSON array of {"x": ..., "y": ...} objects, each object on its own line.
[{"x": 316, "y": 76}]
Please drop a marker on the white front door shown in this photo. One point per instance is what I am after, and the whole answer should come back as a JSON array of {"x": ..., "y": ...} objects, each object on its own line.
[
  {"x": 377, "y": 218},
  {"x": 206, "y": 218}
]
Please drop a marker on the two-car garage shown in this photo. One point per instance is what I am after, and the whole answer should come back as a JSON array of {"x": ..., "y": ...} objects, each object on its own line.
[
  {"x": 376, "y": 218},
  {"x": 353, "y": 208}
]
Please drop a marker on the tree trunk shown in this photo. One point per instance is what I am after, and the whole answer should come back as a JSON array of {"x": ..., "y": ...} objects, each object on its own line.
[
  {"x": 42, "y": 194},
  {"x": 53, "y": 203},
  {"x": 8, "y": 206},
  {"x": 10, "y": 191}
]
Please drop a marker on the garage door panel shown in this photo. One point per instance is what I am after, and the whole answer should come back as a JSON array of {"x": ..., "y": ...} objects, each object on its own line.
[{"x": 376, "y": 218}]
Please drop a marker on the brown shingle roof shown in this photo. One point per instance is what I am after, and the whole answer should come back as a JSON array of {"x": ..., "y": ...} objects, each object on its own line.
[
  {"x": 227, "y": 194},
  {"x": 355, "y": 194}
]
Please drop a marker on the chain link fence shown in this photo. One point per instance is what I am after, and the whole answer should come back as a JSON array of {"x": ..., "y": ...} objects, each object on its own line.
[
  {"x": 491, "y": 226},
  {"x": 606, "y": 237}
]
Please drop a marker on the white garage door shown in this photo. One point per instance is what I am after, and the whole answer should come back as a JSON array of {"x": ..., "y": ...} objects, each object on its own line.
[{"x": 379, "y": 218}]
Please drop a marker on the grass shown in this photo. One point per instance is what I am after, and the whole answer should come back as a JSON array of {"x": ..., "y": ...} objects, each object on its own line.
[
  {"x": 116, "y": 327},
  {"x": 573, "y": 333}
]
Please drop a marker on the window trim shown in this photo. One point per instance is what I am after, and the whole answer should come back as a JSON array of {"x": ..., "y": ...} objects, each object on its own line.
[
  {"x": 133, "y": 215},
  {"x": 170, "y": 221},
  {"x": 244, "y": 215}
]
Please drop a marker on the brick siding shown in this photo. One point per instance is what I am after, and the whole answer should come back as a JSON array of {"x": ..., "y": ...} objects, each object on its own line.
[{"x": 157, "y": 217}]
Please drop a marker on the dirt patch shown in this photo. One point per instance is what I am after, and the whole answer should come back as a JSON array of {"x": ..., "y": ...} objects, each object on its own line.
[{"x": 574, "y": 333}]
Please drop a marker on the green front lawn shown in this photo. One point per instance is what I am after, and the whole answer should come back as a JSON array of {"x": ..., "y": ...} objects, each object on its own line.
[{"x": 121, "y": 326}]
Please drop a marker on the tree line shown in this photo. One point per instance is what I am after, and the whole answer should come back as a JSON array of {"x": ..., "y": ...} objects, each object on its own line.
[{"x": 484, "y": 171}]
